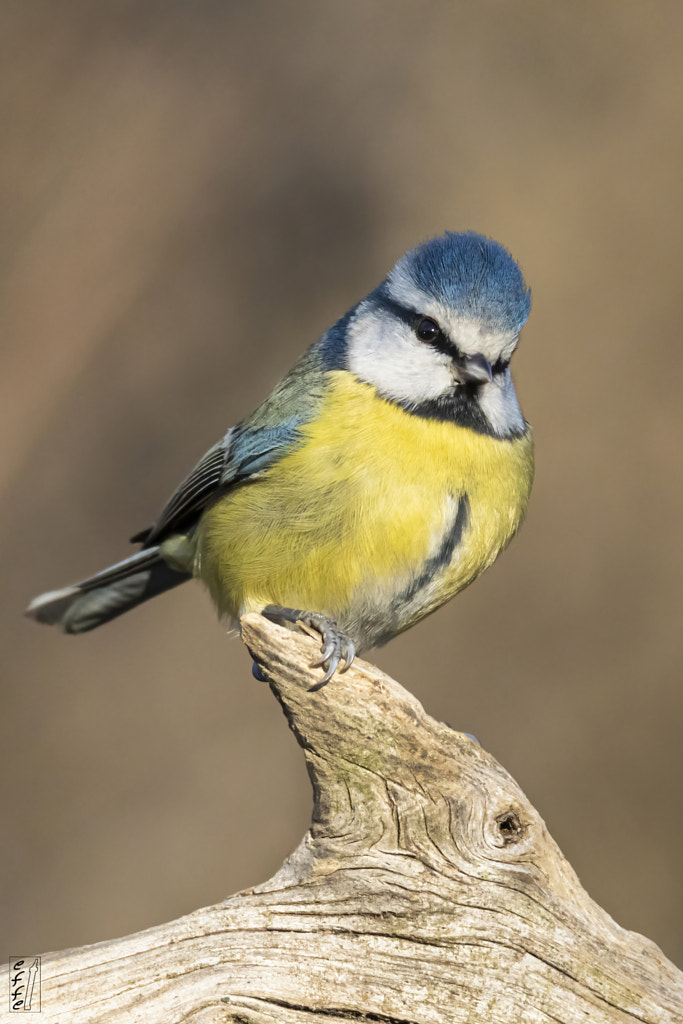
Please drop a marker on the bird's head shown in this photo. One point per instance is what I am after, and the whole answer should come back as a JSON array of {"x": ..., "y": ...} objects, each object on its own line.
[{"x": 437, "y": 335}]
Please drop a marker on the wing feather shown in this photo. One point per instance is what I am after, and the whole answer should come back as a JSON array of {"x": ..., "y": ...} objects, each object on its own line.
[
  {"x": 240, "y": 456},
  {"x": 247, "y": 450}
]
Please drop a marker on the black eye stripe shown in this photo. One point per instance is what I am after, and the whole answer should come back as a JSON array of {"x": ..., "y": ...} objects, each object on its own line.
[
  {"x": 408, "y": 316},
  {"x": 440, "y": 343},
  {"x": 411, "y": 317}
]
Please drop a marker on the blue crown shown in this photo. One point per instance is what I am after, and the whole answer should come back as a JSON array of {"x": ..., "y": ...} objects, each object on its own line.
[{"x": 473, "y": 274}]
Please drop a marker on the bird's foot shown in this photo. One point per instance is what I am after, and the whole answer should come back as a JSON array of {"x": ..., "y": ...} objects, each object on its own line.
[
  {"x": 336, "y": 646},
  {"x": 259, "y": 673}
]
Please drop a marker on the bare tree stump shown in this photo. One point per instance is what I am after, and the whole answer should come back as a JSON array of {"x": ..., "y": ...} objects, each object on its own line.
[{"x": 427, "y": 890}]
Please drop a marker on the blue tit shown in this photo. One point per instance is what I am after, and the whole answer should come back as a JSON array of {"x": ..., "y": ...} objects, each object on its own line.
[{"x": 381, "y": 476}]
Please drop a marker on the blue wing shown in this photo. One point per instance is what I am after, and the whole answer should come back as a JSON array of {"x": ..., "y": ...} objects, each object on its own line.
[
  {"x": 241, "y": 455},
  {"x": 250, "y": 448}
]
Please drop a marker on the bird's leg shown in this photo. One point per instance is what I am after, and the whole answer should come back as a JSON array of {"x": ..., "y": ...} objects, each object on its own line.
[{"x": 336, "y": 646}]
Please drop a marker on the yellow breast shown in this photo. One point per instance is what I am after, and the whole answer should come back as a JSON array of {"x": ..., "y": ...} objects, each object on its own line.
[{"x": 352, "y": 514}]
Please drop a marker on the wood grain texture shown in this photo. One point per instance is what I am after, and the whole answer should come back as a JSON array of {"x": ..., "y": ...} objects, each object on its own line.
[{"x": 426, "y": 891}]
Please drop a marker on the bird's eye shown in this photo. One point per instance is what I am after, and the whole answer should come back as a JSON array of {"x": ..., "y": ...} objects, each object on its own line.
[{"x": 427, "y": 329}]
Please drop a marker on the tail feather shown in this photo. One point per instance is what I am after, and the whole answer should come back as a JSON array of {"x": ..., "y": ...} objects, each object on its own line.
[
  {"x": 107, "y": 595},
  {"x": 144, "y": 559}
]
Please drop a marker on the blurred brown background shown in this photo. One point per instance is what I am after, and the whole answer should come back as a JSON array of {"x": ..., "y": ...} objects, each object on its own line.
[{"x": 191, "y": 193}]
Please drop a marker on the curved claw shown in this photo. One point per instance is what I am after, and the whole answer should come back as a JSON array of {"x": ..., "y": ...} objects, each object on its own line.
[
  {"x": 330, "y": 649},
  {"x": 337, "y": 647},
  {"x": 348, "y": 654},
  {"x": 331, "y": 669}
]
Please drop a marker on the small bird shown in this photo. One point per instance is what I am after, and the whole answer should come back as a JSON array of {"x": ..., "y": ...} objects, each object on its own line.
[{"x": 380, "y": 477}]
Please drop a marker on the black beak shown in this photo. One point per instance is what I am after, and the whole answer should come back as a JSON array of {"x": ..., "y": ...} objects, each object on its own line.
[{"x": 475, "y": 369}]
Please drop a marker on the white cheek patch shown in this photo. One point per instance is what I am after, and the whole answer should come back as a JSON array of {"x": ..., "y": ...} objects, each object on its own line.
[
  {"x": 498, "y": 402},
  {"x": 385, "y": 352},
  {"x": 470, "y": 336}
]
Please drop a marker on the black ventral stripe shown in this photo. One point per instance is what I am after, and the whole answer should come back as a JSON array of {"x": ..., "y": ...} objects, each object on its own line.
[{"x": 443, "y": 556}]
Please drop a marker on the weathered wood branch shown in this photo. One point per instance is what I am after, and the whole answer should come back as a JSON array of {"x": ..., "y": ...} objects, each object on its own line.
[{"x": 427, "y": 890}]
